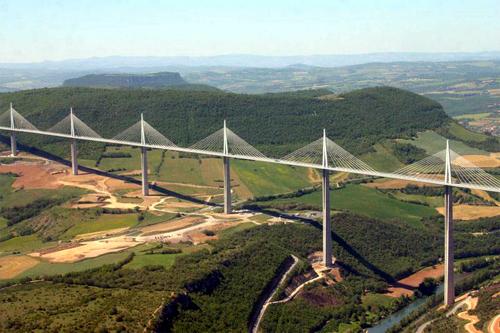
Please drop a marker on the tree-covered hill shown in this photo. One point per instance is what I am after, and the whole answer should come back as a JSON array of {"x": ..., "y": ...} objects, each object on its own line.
[
  {"x": 273, "y": 122},
  {"x": 162, "y": 80},
  {"x": 153, "y": 80}
]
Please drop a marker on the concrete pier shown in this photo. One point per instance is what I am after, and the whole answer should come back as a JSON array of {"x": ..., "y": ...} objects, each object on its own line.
[
  {"x": 13, "y": 144},
  {"x": 327, "y": 227},
  {"x": 227, "y": 186},
  {"x": 144, "y": 168},
  {"x": 74, "y": 161},
  {"x": 449, "y": 282}
]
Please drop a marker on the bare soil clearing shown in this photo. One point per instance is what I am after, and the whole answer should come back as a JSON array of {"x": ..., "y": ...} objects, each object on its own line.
[
  {"x": 35, "y": 175},
  {"x": 89, "y": 249},
  {"x": 97, "y": 184},
  {"x": 407, "y": 285},
  {"x": 470, "y": 212},
  {"x": 12, "y": 266}
]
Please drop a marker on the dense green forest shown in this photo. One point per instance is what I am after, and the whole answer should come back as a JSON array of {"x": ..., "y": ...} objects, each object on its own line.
[
  {"x": 275, "y": 123},
  {"x": 215, "y": 289}
]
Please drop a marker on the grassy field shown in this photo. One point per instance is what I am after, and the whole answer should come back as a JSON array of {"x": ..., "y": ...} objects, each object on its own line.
[
  {"x": 473, "y": 116},
  {"x": 265, "y": 179},
  {"x": 46, "y": 268},
  {"x": 141, "y": 260},
  {"x": 23, "y": 244},
  {"x": 228, "y": 232},
  {"x": 364, "y": 201},
  {"x": 382, "y": 159},
  {"x": 432, "y": 142},
  {"x": 129, "y": 163},
  {"x": 102, "y": 223},
  {"x": 465, "y": 134},
  {"x": 192, "y": 170},
  {"x": 150, "y": 218},
  {"x": 10, "y": 197},
  {"x": 377, "y": 300},
  {"x": 432, "y": 201},
  {"x": 3, "y": 222}
]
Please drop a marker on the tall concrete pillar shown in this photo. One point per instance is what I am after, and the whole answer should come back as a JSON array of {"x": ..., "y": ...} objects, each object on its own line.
[
  {"x": 144, "y": 168},
  {"x": 74, "y": 161},
  {"x": 227, "y": 186},
  {"x": 449, "y": 283},
  {"x": 327, "y": 227},
  {"x": 13, "y": 144}
]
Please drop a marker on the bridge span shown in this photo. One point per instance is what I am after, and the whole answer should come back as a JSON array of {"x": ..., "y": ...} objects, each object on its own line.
[{"x": 445, "y": 168}]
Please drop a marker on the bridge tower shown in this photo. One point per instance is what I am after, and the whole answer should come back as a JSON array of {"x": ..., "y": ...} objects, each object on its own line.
[
  {"x": 227, "y": 175},
  {"x": 449, "y": 282},
  {"x": 74, "y": 150},
  {"x": 144, "y": 161},
  {"x": 13, "y": 143},
  {"x": 327, "y": 228}
]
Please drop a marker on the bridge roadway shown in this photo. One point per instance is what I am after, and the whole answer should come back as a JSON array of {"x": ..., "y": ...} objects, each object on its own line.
[
  {"x": 447, "y": 182},
  {"x": 256, "y": 158}
]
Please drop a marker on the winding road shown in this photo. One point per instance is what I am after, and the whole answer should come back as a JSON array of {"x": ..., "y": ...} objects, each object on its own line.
[{"x": 256, "y": 325}]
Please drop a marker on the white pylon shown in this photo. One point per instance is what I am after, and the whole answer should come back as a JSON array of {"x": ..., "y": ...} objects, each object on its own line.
[
  {"x": 325, "y": 150},
  {"x": 225, "y": 148},
  {"x": 11, "y": 116},
  {"x": 327, "y": 228},
  {"x": 143, "y": 135},
  {"x": 13, "y": 142},
  {"x": 447, "y": 171},
  {"x": 449, "y": 280},
  {"x": 71, "y": 122},
  {"x": 227, "y": 173}
]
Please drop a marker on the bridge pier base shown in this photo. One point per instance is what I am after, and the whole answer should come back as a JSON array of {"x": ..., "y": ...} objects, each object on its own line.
[
  {"x": 74, "y": 161},
  {"x": 449, "y": 282},
  {"x": 144, "y": 169},
  {"x": 327, "y": 226},
  {"x": 227, "y": 186},
  {"x": 13, "y": 144}
]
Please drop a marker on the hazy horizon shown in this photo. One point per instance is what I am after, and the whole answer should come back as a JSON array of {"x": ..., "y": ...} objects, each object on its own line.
[{"x": 56, "y": 30}]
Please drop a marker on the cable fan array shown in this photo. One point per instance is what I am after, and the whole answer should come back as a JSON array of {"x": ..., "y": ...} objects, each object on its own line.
[
  {"x": 142, "y": 132},
  {"x": 463, "y": 171},
  {"x": 322, "y": 153},
  {"x": 72, "y": 125},
  {"x": 336, "y": 157},
  {"x": 430, "y": 168},
  {"x": 466, "y": 172},
  {"x": 20, "y": 122},
  {"x": 235, "y": 145}
]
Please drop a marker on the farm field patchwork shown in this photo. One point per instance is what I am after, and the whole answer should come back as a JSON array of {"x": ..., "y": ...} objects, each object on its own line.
[{"x": 365, "y": 201}]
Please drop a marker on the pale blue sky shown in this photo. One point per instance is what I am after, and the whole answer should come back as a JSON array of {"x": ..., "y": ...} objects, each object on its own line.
[{"x": 39, "y": 30}]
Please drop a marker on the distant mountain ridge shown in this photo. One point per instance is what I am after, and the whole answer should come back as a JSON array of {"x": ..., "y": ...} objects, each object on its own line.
[
  {"x": 152, "y": 80},
  {"x": 250, "y": 60}
]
